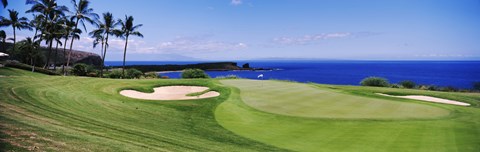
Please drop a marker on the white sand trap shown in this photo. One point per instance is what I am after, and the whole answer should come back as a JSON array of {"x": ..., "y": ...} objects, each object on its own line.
[
  {"x": 429, "y": 99},
  {"x": 171, "y": 93}
]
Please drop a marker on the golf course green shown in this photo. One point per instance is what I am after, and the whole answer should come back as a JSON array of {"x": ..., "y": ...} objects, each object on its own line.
[
  {"x": 362, "y": 131},
  {"x": 303, "y": 100},
  {"x": 56, "y": 113}
]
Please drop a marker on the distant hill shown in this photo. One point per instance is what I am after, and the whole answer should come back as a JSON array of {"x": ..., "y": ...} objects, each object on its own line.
[{"x": 77, "y": 56}]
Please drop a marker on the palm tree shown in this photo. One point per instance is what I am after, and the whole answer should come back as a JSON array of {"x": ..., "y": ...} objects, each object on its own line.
[
  {"x": 128, "y": 29},
  {"x": 99, "y": 38},
  {"x": 58, "y": 37},
  {"x": 5, "y": 3},
  {"x": 3, "y": 37},
  {"x": 107, "y": 28},
  {"x": 49, "y": 8},
  {"x": 52, "y": 13},
  {"x": 82, "y": 13},
  {"x": 15, "y": 22},
  {"x": 67, "y": 32},
  {"x": 37, "y": 23},
  {"x": 30, "y": 47}
]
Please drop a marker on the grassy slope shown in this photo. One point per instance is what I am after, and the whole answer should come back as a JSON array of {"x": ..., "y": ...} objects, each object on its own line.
[
  {"x": 56, "y": 113},
  {"x": 458, "y": 132}
]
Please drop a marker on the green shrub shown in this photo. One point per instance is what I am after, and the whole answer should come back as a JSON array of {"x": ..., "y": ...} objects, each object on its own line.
[
  {"x": 375, "y": 82},
  {"x": 408, "y": 84},
  {"x": 115, "y": 74},
  {"x": 476, "y": 86},
  {"x": 447, "y": 89},
  {"x": 151, "y": 75},
  {"x": 18, "y": 65},
  {"x": 231, "y": 76},
  {"x": 395, "y": 86},
  {"x": 194, "y": 74},
  {"x": 133, "y": 74},
  {"x": 80, "y": 69}
]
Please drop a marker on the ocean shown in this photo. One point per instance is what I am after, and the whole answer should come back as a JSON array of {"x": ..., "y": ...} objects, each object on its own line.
[{"x": 459, "y": 74}]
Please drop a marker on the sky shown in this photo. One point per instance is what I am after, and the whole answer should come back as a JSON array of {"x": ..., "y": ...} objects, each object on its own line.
[{"x": 178, "y": 30}]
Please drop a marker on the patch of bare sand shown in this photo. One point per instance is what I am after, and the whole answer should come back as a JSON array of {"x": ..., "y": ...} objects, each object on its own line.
[
  {"x": 429, "y": 99},
  {"x": 171, "y": 93}
]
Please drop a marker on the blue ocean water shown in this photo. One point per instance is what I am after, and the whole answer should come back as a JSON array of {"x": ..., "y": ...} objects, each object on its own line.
[{"x": 460, "y": 74}]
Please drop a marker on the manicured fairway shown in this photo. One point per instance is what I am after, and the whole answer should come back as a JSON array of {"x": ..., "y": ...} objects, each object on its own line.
[
  {"x": 54, "y": 113},
  {"x": 458, "y": 132}
]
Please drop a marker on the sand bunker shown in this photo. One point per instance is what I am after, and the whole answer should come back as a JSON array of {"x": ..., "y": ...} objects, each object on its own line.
[
  {"x": 429, "y": 99},
  {"x": 171, "y": 93}
]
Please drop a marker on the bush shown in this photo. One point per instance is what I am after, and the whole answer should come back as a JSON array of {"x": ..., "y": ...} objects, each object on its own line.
[
  {"x": 408, "y": 84},
  {"x": 133, "y": 74},
  {"x": 428, "y": 87},
  {"x": 231, "y": 76},
  {"x": 18, "y": 65},
  {"x": 375, "y": 82},
  {"x": 115, "y": 74},
  {"x": 476, "y": 86},
  {"x": 80, "y": 69},
  {"x": 394, "y": 86},
  {"x": 151, "y": 75},
  {"x": 194, "y": 74},
  {"x": 448, "y": 89}
]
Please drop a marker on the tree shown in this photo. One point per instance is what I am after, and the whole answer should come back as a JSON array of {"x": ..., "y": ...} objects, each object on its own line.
[
  {"x": 16, "y": 22},
  {"x": 37, "y": 23},
  {"x": 128, "y": 29},
  {"x": 51, "y": 33},
  {"x": 194, "y": 74},
  {"x": 408, "y": 84},
  {"x": 57, "y": 38},
  {"x": 5, "y": 3},
  {"x": 29, "y": 48},
  {"x": 82, "y": 13},
  {"x": 52, "y": 13},
  {"x": 3, "y": 37},
  {"x": 68, "y": 32},
  {"x": 106, "y": 28},
  {"x": 99, "y": 38},
  {"x": 375, "y": 81}
]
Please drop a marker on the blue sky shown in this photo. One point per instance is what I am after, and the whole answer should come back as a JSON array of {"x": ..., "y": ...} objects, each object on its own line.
[{"x": 312, "y": 29}]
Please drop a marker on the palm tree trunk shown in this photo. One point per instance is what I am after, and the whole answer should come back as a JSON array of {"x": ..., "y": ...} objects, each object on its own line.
[
  {"x": 103, "y": 58},
  {"x": 33, "y": 65},
  {"x": 4, "y": 46},
  {"x": 14, "y": 38},
  {"x": 36, "y": 30},
  {"x": 49, "y": 54},
  {"x": 124, "y": 56},
  {"x": 55, "y": 59},
  {"x": 64, "y": 54},
  {"x": 71, "y": 45}
]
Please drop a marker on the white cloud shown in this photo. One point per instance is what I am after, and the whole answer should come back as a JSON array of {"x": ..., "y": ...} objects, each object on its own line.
[
  {"x": 236, "y": 2},
  {"x": 196, "y": 44},
  {"x": 309, "y": 39}
]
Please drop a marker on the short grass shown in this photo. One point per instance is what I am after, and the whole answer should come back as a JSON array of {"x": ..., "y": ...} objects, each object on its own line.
[
  {"x": 457, "y": 132},
  {"x": 55, "y": 113},
  {"x": 296, "y": 99}
]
